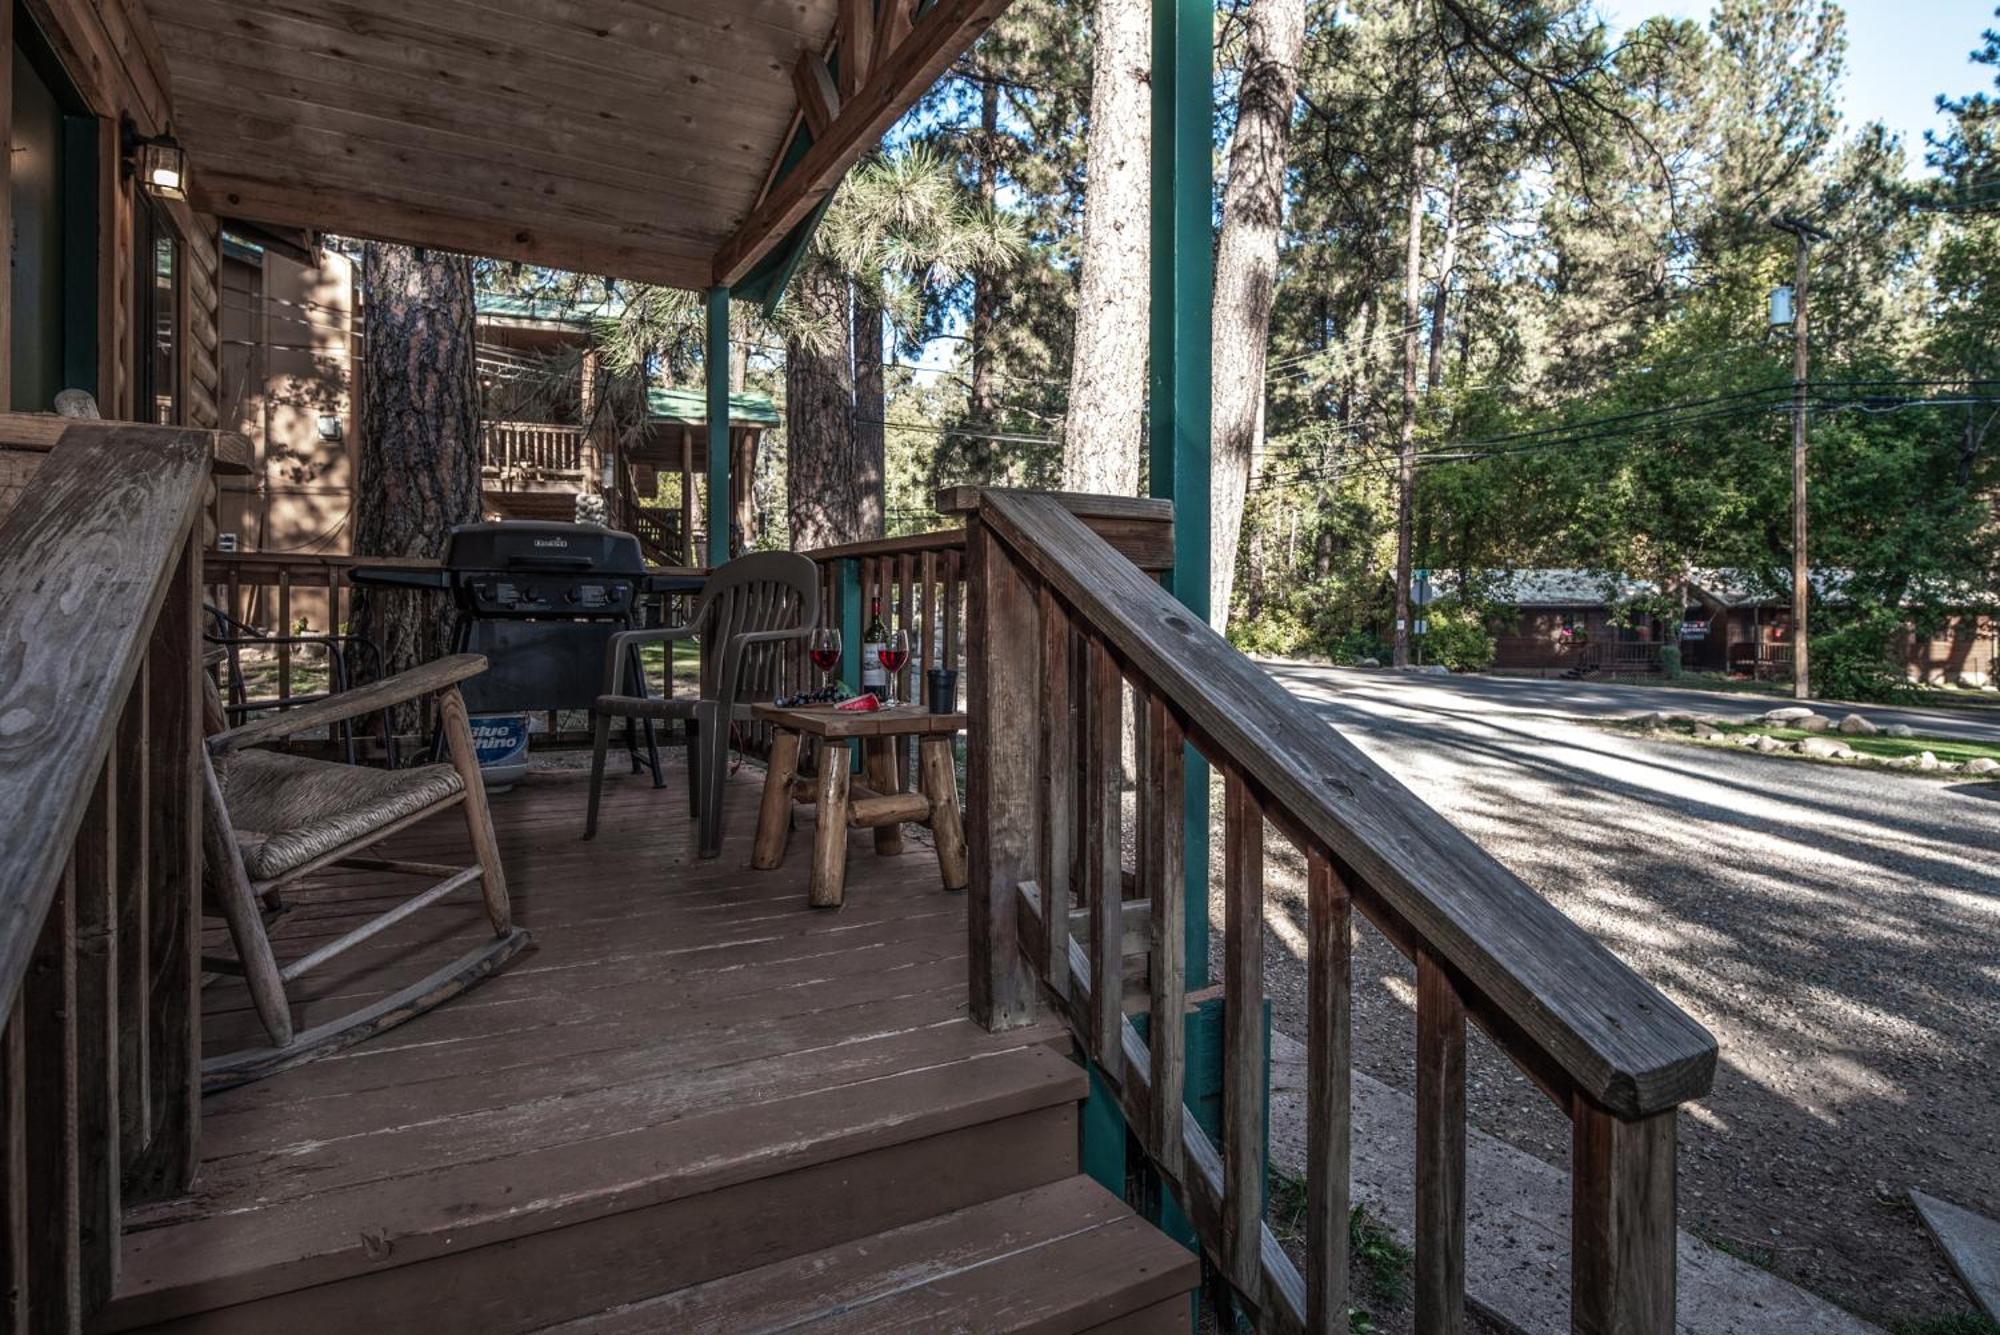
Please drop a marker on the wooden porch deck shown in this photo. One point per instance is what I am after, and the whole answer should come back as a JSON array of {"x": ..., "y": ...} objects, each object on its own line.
[{"x": 696, "y": 1104}]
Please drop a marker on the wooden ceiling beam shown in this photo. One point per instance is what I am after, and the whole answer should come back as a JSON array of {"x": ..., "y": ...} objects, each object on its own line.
[
  {"x": 900, "y": 76},
  {"x": 819, "y": 100},
  {"x": 581, "y": 249},
  {"x": 857, "y": 44}
]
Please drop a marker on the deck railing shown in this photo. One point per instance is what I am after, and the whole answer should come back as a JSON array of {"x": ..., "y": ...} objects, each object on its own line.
[
  {"x": 100, "y": 855},
  {"x": 533, "y": 449},
  {"x": 1061, "y": 631}
]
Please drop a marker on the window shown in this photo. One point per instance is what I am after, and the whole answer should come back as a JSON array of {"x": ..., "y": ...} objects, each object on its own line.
[{"x": 156, "y": 317}]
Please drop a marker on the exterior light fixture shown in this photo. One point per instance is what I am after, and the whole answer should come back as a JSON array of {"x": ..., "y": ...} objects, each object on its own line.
[
  {"x": 159, "y": 162},
  {"x": 329, "y": 427}
]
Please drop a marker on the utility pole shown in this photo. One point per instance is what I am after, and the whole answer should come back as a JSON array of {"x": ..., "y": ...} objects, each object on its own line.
[{"x": 1804, "y": 234}]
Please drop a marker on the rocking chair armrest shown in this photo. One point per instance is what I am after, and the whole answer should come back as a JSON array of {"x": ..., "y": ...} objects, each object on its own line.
[
  {"x": 425, "y": 679},
  {"x": 622, "y": 643}
]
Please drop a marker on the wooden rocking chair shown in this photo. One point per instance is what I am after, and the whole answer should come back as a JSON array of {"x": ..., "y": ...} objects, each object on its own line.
[{"x": 272, "y": 818}]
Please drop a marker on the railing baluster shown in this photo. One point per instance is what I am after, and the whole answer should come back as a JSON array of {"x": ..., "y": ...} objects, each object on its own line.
[
  {"x": 1440, "y": 1263},
  {"x": 1167, "y": 968},
  {"x": 1622, "y": 1230},
  {"x": 1103, "y": 721},
  {"x": 1329, "y": 1093},
  {"x": 1057, "y": 721},
  {"x": 135, "y": 961},
  {"x": 100, "y": 1217},
  {"x": 1243, "y": 1038},
  {"x": 284, "y": 632},
  {"x": 48, "y": 1005},
  {"x": 16, "y": 1279}
]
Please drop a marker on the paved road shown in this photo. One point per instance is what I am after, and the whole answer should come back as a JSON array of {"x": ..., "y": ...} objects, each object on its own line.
[
  {"x": 1837, "y": 929},
  {"x": 1550, "y": 697}
]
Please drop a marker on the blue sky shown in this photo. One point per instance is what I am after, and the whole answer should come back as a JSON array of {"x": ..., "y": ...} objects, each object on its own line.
[{"x": 1900, "y": 55}]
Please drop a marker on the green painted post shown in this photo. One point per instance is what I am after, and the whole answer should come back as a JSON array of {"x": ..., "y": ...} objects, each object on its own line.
[
  {"x": 717, "y": 369},
  {"x": 1101, "y": 1133},
  {"x": 1183, "y": 206},
  {"x": 850, "y": 621}
]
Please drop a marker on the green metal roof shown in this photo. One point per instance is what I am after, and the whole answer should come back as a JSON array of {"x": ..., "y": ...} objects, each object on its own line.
[{"x": 691, "y": 405}]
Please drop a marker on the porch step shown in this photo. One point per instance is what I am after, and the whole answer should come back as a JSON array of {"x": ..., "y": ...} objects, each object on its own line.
[
  {"x": 1058, "y": 1259},
  {"x": 512, "y": 1244}
]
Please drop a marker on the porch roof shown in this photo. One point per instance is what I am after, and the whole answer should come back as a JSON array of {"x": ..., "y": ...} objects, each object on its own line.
[{"x": 677, "y": 141}]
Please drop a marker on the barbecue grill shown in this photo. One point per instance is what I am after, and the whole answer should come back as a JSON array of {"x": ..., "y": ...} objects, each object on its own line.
[{"x": 541, "y": 601}]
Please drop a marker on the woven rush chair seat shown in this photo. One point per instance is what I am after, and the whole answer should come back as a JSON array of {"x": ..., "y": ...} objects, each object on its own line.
[{"x": 289, "y": 810}]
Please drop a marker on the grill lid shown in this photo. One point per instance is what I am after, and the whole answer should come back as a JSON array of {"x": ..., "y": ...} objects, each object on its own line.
[{"x": 543, "y": 545}]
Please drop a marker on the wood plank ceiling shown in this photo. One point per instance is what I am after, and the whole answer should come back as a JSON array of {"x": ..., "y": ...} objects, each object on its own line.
[{"x": 629, "y": 137}]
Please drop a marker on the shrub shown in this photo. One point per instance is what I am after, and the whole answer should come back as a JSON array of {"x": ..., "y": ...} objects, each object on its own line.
[
  {"x": 1457, "y": 637},
  {"x": 1856, "y": 658},
  {"x": 1670, "y": 661}
]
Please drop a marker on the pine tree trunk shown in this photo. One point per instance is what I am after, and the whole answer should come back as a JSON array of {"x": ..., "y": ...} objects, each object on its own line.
[
  {"x": 1246, "y": 275},
  {"x": 871, "y": 404},
  {"x": 1441, "y": 292},
  {"x": 417, "y": 467},
  {"x": 1406, "y": 427},
  {"x": 986, "y": 285},
  {"x": 1103, "y": 427},
  {"x": 827, "y": 489}
]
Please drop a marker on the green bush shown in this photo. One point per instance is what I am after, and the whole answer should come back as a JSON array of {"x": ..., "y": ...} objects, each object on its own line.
[
  {"x": 1457, "y": 637},
  {"x": 1670, "y": 661},
  {"x": 1855, "y": 659}
]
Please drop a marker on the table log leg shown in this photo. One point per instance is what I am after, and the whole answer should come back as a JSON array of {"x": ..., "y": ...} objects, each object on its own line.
[
  {"x": 940, "y": 785},
  {"x": 829, "y": 868},
  {"x": 774, "y": 814},
  {"x": 881, "y": 774}
]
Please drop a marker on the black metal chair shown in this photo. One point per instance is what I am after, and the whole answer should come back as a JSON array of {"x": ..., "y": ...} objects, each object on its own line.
[
  {"x": 748, "y": 611},
  {"x": 233, "y": 636}
]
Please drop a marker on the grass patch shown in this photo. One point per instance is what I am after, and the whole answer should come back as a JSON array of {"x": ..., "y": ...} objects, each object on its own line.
[
  {"x": 1964, "y": 1323},
  {"x": 1944, "y": 748},
  {"x": 1378, "y": 1265},
  {"x": 1761, "y": 1257}
]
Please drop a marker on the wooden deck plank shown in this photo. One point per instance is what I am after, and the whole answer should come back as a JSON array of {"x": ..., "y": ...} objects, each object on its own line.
[
  {"x": 1076, "y": 1241},
  {"x": 683, "y": 1024}
]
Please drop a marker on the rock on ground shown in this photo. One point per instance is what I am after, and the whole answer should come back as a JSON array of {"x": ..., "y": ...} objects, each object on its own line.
[
  {"x": 1856, "y": 726},
  {"x": 1788, "y": 714},
  {"x": 1898, "y": 730},
  {"x": 1826, "y": 748}
]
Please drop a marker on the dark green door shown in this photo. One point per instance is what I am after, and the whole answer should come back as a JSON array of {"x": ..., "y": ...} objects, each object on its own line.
[{"x": 53, "y": 255}]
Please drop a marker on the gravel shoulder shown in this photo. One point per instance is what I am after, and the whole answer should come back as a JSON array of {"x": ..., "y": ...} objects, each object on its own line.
[{"x": 1837, "y": 930}]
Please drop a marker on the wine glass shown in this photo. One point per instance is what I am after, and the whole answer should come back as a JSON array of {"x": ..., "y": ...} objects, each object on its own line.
[
  {"x": 894, "y": 653},
  {"x": 823, "y": 648}
]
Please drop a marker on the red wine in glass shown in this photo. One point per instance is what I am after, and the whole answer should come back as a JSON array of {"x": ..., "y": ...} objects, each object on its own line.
[
  {"x": 823, "y": 648},
  {"x": 895, "y": 652}
]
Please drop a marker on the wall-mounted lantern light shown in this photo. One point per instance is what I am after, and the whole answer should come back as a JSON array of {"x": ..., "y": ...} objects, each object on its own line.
[
  {"x": 159, "y": 162},
  {"x": 329, "y": 427}
]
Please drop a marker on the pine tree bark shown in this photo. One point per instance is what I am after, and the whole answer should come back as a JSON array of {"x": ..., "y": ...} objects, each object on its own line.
[
  {"x": 1406, "y": 427},
  {"x": 1103, "y": 429},
  {"x": 1246, "y": 275},
  {"x": 1441, "y": 291},
  {"x": 985, "y": 285},
  {"x": 829, "y": 492},
  {"x": 871, "y": 402},
  {"x": 417, "y": 465}
]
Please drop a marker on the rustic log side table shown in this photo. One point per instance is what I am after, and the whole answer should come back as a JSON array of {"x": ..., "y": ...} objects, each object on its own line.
[{"x": 879, "y": 804}]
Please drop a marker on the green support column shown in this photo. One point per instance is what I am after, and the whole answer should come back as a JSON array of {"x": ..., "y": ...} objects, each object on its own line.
[
  {"x": 717, "y": 367},
  {"x": 1183, "y": 281}
]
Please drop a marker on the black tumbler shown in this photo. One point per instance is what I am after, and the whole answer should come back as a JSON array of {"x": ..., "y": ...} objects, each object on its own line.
[{"x": 943, "y": 690}]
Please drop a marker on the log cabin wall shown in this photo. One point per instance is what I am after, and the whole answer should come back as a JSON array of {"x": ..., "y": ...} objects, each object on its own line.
[{"x": 110, "y": 55}]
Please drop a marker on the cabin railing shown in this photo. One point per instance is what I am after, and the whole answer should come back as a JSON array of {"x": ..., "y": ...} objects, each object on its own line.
[
  {"x": 1062, "y": 632},
  {"x": 100, "y": 853},
  {"x": 533, "y": 449}
]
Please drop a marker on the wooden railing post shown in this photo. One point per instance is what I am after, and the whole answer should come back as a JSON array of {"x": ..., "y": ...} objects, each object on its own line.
[
  {"x": 1622, "y": 1231},
  {"x": 1003, "y": 816},
  {"x": 1440, "y": 1262}
]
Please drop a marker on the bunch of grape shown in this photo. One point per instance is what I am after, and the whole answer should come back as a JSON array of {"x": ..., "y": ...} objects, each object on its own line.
[{"x": 825, "y": 695}]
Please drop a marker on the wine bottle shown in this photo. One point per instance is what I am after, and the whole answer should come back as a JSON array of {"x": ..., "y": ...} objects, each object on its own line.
[{"x": 874, "y": 677}]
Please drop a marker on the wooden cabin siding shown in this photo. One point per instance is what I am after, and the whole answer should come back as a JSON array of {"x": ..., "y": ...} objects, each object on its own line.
[{"x": 111, "y": 54}]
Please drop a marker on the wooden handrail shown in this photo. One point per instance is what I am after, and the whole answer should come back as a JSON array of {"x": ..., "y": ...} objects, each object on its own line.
[
  {"x": 85, "y": 561},
  {"x": 100, "y": 855},
  {"x": 1060, "y": 631}
]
